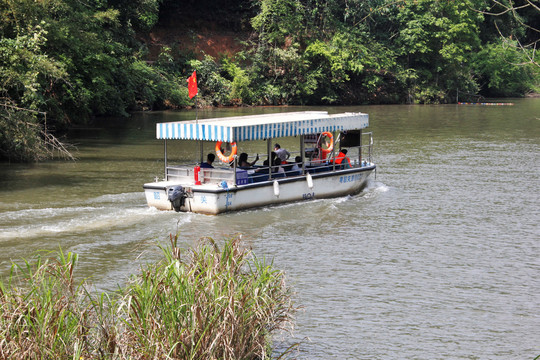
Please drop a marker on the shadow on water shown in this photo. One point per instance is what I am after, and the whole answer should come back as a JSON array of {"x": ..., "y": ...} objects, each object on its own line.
[{"x": 12, "y": 182}]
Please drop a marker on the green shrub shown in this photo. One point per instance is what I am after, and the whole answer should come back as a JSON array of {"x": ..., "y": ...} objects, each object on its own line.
[
  {"x": 207, "y": 303},
  {"x": 505, "y": 70},
  {"x": 43, "y": 313},
  {"x": 20, "y": 138},
  {"x": 203, "y": 303},
  {"x": 241, "y": 92}
]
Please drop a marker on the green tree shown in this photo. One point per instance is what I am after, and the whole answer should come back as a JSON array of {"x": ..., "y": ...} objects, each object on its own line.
[
  {"x": 278, "y": 20},
  {"x": 516, "y": 23},
  {"x": 437, "y": 39},
  {"x": 331, "y": 64},
  {"x": 73, "y": 60},
  {"x": 28, "y": 75},
  {"x": 505, "y": 70}
]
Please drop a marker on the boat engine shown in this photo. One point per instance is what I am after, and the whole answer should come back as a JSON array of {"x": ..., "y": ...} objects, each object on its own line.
[{"x": 177, "y": 196}]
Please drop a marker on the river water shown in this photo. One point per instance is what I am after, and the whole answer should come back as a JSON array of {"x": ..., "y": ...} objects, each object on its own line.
[{"x": 438, "y": 258}]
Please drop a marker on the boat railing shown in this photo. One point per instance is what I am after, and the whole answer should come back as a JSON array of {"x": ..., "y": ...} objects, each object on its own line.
[
  {"x": 367, "y": 149},
  {"x": 217, "y": 176},
  {"x": 359, "y": 156},
  {"x": 182, "y": 173},
  {"x": 186, "y": 174}
]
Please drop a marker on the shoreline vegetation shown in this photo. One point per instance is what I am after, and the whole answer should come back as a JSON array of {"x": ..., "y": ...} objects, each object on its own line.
[
  {"x": 64, "y": 63},
  {"x": 199, "y": 303}
]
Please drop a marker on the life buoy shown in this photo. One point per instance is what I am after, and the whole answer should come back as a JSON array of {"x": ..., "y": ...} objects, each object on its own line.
[
  {"x": 328, "y": 150},
  {"x": 225, "y": 159}
]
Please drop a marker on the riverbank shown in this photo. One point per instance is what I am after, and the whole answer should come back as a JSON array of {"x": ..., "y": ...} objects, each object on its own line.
[{"x": 196, "y": 303}]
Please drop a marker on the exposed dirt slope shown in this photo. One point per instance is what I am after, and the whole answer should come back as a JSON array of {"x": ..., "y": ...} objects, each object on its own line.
[
  {"x": 213, "y": 27},
  {"x": 200, "y": 41}
]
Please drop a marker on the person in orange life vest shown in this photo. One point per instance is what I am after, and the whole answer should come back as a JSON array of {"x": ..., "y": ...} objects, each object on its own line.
[{"x": 343, "y": 160}]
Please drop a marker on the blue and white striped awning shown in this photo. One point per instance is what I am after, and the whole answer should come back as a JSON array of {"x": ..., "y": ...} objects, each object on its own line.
[{"x": 258, "y": 127}]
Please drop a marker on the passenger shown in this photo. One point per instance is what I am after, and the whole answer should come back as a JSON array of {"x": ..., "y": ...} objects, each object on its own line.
[
  {"x": 340, "y": 159},
  {"x": 264, "y": 169},
  {"x": 282, "y": 154},
  {"x": 244, "y": 163},
  {"x": 261, "y": 173},
  {"x": 209, "y": 160},
  {"x": 277, "y": 168},
  {"x": 272, "y": 158},
  {"x": 296, "y": 169}
]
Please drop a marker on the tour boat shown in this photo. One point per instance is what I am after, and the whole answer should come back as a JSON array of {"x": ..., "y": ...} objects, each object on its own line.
[{"x": 318, "y": 169}]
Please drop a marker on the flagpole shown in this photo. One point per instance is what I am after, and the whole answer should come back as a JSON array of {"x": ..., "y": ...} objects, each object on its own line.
[
  {"x": 193, "y": 92},
  {"x": 197, "y": 122}
]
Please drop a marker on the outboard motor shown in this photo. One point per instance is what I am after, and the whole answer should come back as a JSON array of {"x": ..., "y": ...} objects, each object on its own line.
[{"x": 177, "y": 196}]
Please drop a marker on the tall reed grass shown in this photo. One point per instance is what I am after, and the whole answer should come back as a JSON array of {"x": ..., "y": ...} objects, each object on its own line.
[{"x": 200, "y": 303}]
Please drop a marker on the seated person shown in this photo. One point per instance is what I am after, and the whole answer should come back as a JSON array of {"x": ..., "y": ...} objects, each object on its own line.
[
  {"x": 209, "y": 160},
  {"x": 296, "y": 169},
  {"x": 277, "y": 168},
  {"x": 261, "y": 173},
  {"x": 265, "y": 163},
  {"x": 343, "y": 160},
  {"x": 243, "y": 162}
]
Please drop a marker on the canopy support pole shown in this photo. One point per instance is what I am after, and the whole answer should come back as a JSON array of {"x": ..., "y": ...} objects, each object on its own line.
[
  {"x": 333, "y": 153},
  {"x": 197, "y": 122},
  {"x": 165, "y": 151},
  {"x": 303, "y": 153},
  {"x": 269, "y": 152},
  {"x": 360, "y": 150},
  {"x": 202, "y": 152}
]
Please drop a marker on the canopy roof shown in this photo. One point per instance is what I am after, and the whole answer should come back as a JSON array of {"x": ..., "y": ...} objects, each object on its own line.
[{"x": 258, "y": 127}]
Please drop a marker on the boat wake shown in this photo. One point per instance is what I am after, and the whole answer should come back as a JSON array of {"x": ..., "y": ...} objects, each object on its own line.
[
  {"x": 117, "y": 211},
  {"x": 374, "y": 188}
]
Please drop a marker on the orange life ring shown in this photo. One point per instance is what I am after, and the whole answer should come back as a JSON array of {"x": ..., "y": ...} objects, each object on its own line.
[
  {"x": 328, "y": 150},
  {"x": 225, "y": 159}
]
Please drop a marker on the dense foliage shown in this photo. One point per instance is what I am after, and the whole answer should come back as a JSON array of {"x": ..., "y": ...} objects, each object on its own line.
[{"x": 74, "y": 60}]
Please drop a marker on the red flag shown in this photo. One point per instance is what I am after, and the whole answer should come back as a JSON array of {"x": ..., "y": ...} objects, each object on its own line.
[{"x": 192, "y": 85}]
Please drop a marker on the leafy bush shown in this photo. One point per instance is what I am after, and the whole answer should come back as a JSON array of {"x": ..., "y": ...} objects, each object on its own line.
[
  {"x": 20, "y": 138},
  {"x": 241, "y": 92},
  {"x": 505, "y": 70},
  {"x": 153, "y": 90}
]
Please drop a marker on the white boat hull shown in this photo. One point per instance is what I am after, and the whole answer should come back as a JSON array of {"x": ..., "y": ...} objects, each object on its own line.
[{"x": 213, "y": 199}]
